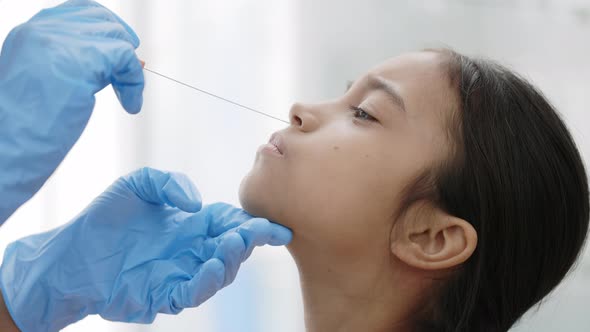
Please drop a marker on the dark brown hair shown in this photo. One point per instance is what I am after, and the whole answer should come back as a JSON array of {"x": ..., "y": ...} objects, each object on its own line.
[{"x": 517, "y": 176}]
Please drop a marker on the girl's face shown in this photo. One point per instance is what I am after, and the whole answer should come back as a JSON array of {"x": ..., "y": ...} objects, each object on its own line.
[{"x": 340, "y": 166}]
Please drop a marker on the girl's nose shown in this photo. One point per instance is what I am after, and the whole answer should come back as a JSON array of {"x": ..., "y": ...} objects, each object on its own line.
[{"x": 303, "y": 117}]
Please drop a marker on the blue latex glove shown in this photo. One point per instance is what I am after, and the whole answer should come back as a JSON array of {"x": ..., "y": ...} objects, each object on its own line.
[
  {"x": 50, "y": 69},
  {"x": 134, "y": 252}
]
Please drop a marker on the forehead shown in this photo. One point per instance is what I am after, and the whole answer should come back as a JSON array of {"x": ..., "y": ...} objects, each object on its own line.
[
  {"x": 423, "y": 83},
  {"x": 426, "y": 62},
  {"x": 421, "y": 79},
  {"x": 415, "y": 73}
]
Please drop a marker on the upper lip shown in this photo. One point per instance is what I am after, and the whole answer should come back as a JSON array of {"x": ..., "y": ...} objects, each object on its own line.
[{"x": 277, "y": 140}]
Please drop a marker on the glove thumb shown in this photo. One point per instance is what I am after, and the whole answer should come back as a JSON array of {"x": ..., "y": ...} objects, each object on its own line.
[{"x": 159, "y": 187}]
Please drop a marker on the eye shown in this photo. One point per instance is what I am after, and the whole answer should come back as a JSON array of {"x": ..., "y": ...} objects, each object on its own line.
[{"x": 360, "y": 113}]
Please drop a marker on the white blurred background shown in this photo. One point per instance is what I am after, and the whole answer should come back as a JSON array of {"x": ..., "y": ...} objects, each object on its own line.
[{"x": 267, "y": 54}]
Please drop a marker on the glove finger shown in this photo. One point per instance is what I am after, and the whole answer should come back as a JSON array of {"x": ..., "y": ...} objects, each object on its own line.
[
  {"x": 259, "y": 231},
  {"x": 182, "y": 193},
  {"x": 135, "y": 39},
  {"x": 90, "y": 26},
  {"x": 223, "y": 217},
  {"x": 230, "y": 251},
  {"x": 126, "y": 76},
  {"x": 115, "y": 18},
  {"x": 200, "y": 288},
  {"x": 130, "y": 95},
  {"x": 159, "y": 187},
  {"x": 87, "y": 8},
  {"x": 78, "y": 3},
  {"x": 64, "y": 9}
]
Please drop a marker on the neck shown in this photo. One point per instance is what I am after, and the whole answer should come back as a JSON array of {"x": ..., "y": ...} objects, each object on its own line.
[{"x": 354, "y": 291}]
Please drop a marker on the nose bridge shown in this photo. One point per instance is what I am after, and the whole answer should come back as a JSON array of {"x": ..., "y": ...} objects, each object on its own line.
[{"x": 306, "y": 117}]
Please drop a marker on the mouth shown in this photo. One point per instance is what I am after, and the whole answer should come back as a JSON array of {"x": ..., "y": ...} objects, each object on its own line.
[{"x": 274, "y": 146}]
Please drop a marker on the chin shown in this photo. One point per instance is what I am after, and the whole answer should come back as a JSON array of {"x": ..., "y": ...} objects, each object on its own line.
[{"x": 252, "y": 197}]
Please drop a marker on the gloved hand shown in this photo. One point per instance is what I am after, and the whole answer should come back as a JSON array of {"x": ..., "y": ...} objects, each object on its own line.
[
  {"x": 50, "y": 69},
  {"x": 132, "y": 253}
]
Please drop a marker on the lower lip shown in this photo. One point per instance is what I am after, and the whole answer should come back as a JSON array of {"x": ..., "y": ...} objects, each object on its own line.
[{"x": 270, "y": 149}]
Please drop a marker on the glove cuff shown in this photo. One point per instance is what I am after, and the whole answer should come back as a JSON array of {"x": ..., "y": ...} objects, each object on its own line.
[
  {"x": 33, "y": 304},
  {"x": 8, "y": 305}
]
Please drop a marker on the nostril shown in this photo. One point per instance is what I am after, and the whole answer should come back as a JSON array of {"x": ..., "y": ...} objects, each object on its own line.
[{"x": 296, "y": 120}]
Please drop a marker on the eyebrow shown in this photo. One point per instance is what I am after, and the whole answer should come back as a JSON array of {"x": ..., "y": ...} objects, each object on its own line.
[{"x": 381, "y": 84}]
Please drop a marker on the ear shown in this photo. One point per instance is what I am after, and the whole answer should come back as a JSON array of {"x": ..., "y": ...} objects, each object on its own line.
[{"x": 428, "y": 238}]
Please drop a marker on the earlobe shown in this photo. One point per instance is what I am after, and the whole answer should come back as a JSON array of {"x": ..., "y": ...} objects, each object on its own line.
[{"x": 433, "y": 241}]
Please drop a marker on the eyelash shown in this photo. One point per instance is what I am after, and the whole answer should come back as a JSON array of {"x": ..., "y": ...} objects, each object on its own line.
[{"x": 361, "y": 114}]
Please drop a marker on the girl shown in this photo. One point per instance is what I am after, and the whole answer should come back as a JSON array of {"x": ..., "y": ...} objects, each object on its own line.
[{"x": 440, "y": 193}]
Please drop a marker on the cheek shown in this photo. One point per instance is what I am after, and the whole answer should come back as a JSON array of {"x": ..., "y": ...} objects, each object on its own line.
[
  {"x": 343, "y": 194},
  {"x": 342, "y": 190}
]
